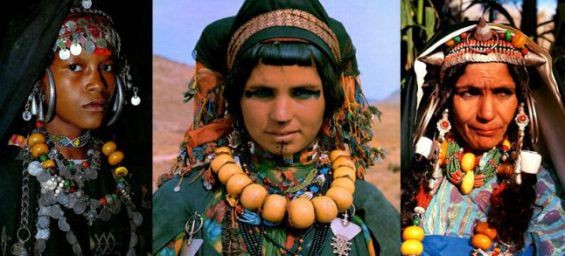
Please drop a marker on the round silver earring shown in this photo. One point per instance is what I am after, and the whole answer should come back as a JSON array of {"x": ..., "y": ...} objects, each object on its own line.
[
  {"x": 118, "y": 104},
  {"x": 135, "y": 100}
]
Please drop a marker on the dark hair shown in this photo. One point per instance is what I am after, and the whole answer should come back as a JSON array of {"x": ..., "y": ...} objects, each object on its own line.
[
  {"x": 514, "y": 208},
  {"x": 283, "y": 54}
]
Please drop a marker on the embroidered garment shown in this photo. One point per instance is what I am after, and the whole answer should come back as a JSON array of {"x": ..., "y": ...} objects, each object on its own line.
[{"x": 453, "y": 215}]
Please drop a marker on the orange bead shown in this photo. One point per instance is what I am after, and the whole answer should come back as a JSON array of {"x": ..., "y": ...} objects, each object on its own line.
[
  {"x": 274, "y": 208},
  {"x": 344, "y": 172},
  {"x": 481, "y": 241},
  {"x": 121, "y": 171},
  {"x": 414, "y": 233},
  {"x": 35, "y": 138},
  {"x": 227, "y": 171},
  {"x": 519, "y": 40},
  {"x": 236, "y": 183},
  {"x": 468, "y": 162},
  {"x": 450, "y": 43},
  {"x": 344, "y": 182},
  {"x": 115, "y": 158},
  {"x": 301, "y": 213},
  {"x": 48, "y": 164},
  {"x": 343, "y": 199},
  {"x": 219, "y": 161},
  {"x": 222, "y": 150},
  {"x": 343, "y": 161},
  {"x": 325, "y": 208},
  {"x": 338, "y": 153},
  {"x": 253, "y": 196},
  {"x": 109, "y": 148},
  {"x": 39, "y": 149}
]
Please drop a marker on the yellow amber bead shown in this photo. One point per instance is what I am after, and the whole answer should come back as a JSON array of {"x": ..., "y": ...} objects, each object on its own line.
[{"x": 121, "y": 171}]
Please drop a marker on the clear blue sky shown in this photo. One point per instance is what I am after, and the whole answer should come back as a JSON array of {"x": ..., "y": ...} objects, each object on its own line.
[{"x": 374, "y": 27}]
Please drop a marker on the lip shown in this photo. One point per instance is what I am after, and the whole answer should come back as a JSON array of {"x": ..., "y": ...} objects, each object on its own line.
[
  {"x": 282, "y": 136},
  {"x": 485, "y": 132},
  {"x": 95, "y": 106}
]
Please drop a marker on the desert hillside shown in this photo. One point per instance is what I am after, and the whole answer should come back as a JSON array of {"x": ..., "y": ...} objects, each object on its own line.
[{"x": 171, "y": 117}]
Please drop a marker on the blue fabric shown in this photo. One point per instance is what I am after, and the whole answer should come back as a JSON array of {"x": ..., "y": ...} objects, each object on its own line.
[{"x": 456, "y": 246}]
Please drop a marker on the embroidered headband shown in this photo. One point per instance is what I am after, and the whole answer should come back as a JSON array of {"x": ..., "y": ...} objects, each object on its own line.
[
  {"x": 486, "y": 44},
  {"x": 282, "y": 18},
  {"x": 87, "y": 30}
]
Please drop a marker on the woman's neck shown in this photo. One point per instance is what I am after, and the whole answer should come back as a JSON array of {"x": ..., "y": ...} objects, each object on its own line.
[{"x": 67, "y": 152}]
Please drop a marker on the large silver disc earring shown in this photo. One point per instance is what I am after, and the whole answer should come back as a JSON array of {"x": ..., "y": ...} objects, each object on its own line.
[
  {"x": 118, "y": 104},
  {"x": 52, "y": 98}
]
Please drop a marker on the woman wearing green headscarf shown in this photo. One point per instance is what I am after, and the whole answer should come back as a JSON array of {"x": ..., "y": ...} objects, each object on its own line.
[{"x": 281, "y": 172}]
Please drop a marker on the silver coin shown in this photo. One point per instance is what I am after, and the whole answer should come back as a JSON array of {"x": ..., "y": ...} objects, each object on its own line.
[
  {"x": 64, "y": 54},
  {"x": 102, "y": 43},
  {"x": 135, "y": 100},
  {"x": 56, "y": 212},
  {"x": 82, "y": 22},
  {"x": 79, "y": 207},
  {"x": 71, "y": 25},
  {"x": 105, "y": 214},
  {"x": 71, "y": 238},
  {"x": 42, "y": 222},
  {"x": 26, "y": 115},
  {"x": 89, "y": 46},
  {"x": 63, "y": 199},
  {"x": 76, "y": 49},
  {"x": 43, "y": 211},
  {"x": 133, "y": 239},
  {"x": 137, "y": 218},
  {"x": 42, "y": 234},
  {"x": 18, "y": 249},
  {"x": 76, "y": 249},
  {"x": 86, "y": 4},
  {"x": 39, "y": 247},
  {"x": 63, "y": 225},
  {"x": 34, "y": 168}
]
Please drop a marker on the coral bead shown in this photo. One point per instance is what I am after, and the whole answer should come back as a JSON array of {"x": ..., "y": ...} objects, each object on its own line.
[
  {"x": 236, "y": 183},
  {"x": 325, "y": 208},
  {"x": 227, "y": 171},
  {"x": 219, "y": 161},
  {"x": 301, "y": 213},
  {"x": 35, "y": 138},
  {"x": 343, "y": 199},
  {"x": 483, "y": 228},
  {"x": 468, "y": 162},
  {"x": 413, "y": 233},
  {"x": 344, "y": 172},
  {"x": 109, "y": 148},
  {"x": 121, "y": 171},
  {"x": 344, "y": 182},
  {"x": 411, "y": 247},
  {"x": 253, "y": 196},
  {"x": 338, "y": 153},
  {"x": 39, "y": 149},
  {"x": 115, "y": 158},
  {"x": 481, "y": 241},
  {"x": 274, "y": 208}
]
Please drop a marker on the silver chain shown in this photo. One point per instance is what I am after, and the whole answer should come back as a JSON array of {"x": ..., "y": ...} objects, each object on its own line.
[{"x": 23, "y": 234}]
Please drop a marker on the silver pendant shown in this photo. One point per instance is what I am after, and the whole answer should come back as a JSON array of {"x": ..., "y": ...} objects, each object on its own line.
[
  {"x": 135, "y": 100},
  {"x": 26, "y": 115},
  {"x": 86, "y": 4},
  {"x": 343, "y": 231},
  {"x": 76, "y": 49},
  {"x": 89, "y": 46},
  {"x": 19, "y": 249},
  {"x": 64, "y": 54}
]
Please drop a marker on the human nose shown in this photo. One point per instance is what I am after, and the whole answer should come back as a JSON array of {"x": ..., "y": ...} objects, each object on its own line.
[
  {"x": 95, "y": 80},
  {"x": 281, "y": 111},
  {"x": 486, "y": 108}
]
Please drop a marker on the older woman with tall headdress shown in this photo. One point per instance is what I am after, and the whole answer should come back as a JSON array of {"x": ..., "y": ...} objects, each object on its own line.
[
  {"x": 488, "y": 111},
  {"x": 63, "y": 191},
  {"x": 281, "y": 181}
]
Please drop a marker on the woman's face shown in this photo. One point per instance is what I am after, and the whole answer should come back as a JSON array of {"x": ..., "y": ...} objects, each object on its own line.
[
  {"x": 484, "y": 104},
  {"x": 83, "y": 85},
  {"x": 283, "y": 107}
]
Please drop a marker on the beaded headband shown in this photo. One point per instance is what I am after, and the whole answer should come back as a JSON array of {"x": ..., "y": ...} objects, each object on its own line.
[
  {"x": 87, "y": 30},
  {"x": 282, "y": 18},
  {"x": 486, "y": 44}
]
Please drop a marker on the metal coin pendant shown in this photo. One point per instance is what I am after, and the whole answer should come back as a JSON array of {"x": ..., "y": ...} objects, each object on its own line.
[
  {"x": 76, "y": 49},
  {"x": 135, "y": 100},
  {"x": 89, "y": 46},
  {"x": 86, "y": 4},
  {"x": 64, "y": 54},
  {"x": 26, "y": 115},
  {"x": 18, "y": 249}
]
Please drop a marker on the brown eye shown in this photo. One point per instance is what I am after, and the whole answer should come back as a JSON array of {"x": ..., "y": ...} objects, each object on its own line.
[{"x": 75, "y": 67}]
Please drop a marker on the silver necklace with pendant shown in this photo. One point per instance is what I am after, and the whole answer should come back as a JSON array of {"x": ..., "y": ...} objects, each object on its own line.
[{"x": 344, "y": 231}]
